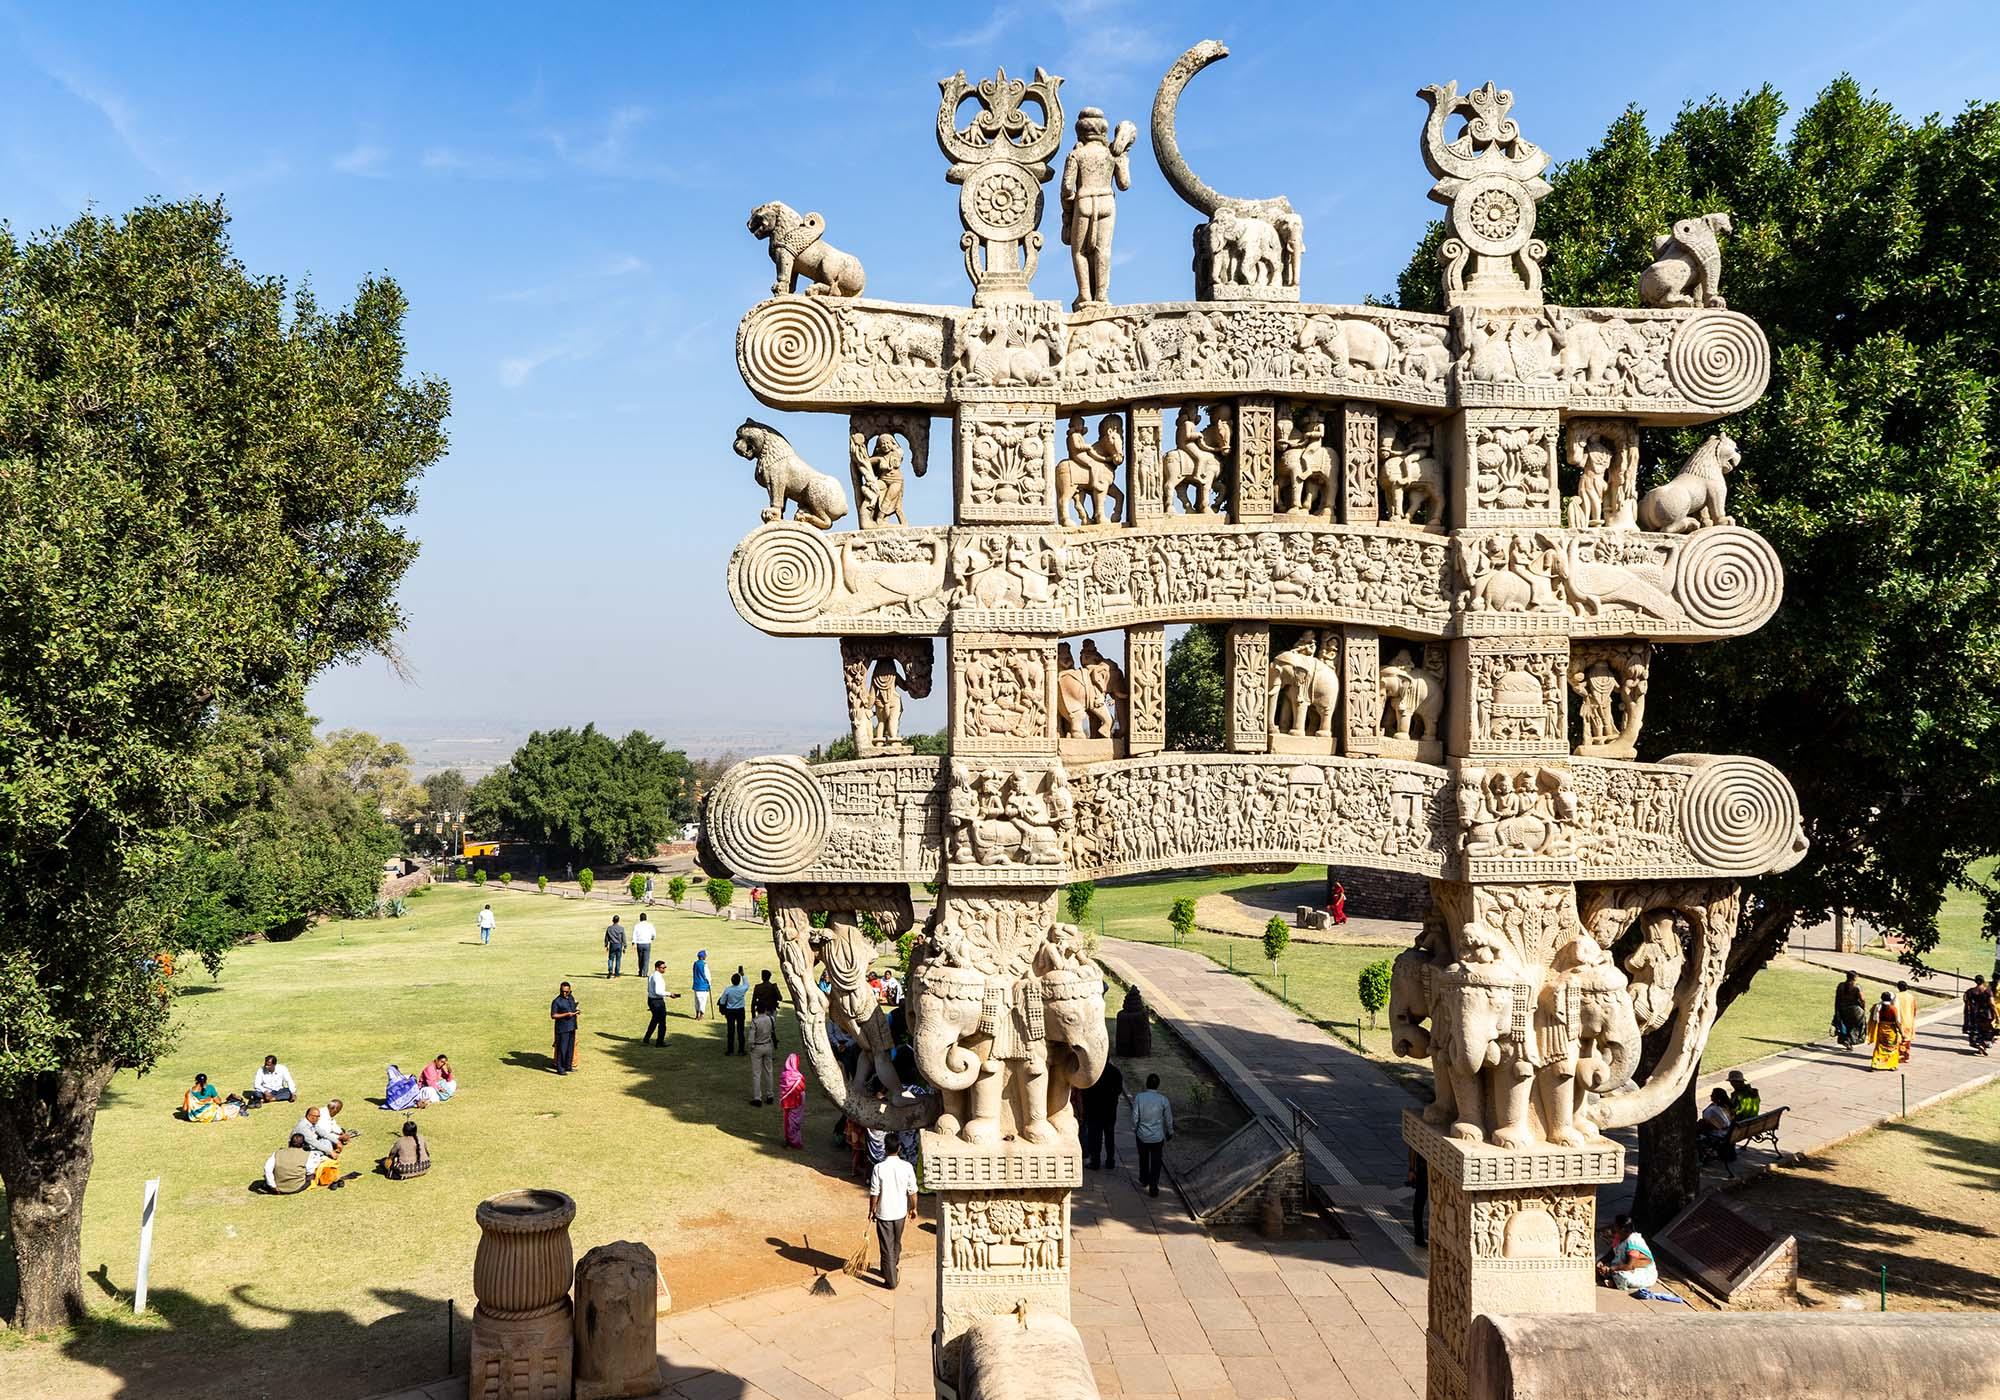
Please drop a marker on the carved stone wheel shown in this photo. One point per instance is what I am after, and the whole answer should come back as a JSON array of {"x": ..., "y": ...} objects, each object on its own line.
[
  {"x": 1492, "y": 216},
  {"x": 768, "y": 818},
  {"x": 789, "y": 346},
  {"x": 1720, "y": 360},
  {"x": 785, "y": 573},
  {"x": 1740, "y": 817}
]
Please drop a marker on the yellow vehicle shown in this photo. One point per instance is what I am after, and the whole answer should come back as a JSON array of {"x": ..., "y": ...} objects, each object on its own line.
[{"x": 474, "y": 849}]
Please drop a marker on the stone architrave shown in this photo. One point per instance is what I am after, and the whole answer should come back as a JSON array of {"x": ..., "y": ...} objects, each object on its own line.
[
  {"x": 617, "y": 1321},
  {"x": 1247, "y": 683},
  {"x": 1585, "y": 900},
  {"x": 1146, "y": 678}
]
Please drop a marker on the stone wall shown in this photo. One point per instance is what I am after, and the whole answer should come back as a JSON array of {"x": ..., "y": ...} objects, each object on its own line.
[{"x": 1383, "y": 894}]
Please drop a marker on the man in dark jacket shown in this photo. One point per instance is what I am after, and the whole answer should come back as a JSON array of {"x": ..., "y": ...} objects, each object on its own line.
[{"x": 1100, "y": 1118}]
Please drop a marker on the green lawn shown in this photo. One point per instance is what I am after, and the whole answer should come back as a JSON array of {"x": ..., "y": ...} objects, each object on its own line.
[
  {"x": 1961, "y": 948},
  {"x": 656, "y": 1145}
]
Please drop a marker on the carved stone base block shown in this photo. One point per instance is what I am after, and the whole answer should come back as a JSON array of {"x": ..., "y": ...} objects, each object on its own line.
[
  {"x": 1003, "y": 1234},
  {"x": 1027, "y": 1355},
  {"x": 617, "y": 1321},
  {"x": 1301, "y": 743},
  {"x": 1511, "y": 1231},
  {"x": 521, "y": 1358}
]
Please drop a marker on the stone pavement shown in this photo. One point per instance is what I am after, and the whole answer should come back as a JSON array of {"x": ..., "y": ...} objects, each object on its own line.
[
  {"x": 1886, "y": 971},
  {"x": 1167, "y": 1311}
]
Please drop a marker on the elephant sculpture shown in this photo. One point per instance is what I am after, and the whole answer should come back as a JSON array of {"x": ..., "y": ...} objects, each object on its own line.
[
  {"x": 1490, "y": 1067},
  {"x": 1586, "y": 1038},
  {"x": 1305, "y": 689},
  {"x": 1409, "y": 693},
  {"x": 1409, "y": 1006},
  {"x": 1073, "y": 1016},
  {"x": 982, "y": 1041}
]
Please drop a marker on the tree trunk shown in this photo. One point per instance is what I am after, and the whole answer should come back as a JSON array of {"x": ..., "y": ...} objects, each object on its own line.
[
  {"x": 45, "y": 1158},
  {"x": 1669, "y": 1173}
]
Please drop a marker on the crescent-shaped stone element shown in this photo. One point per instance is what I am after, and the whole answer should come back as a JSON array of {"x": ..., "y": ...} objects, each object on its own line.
[
  {"x": 768, "y": 818},
  {"x": 1166, "y": 147}
]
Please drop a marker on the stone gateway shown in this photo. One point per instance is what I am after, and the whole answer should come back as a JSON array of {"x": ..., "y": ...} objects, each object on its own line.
[{"x": 1446, "y": 593}]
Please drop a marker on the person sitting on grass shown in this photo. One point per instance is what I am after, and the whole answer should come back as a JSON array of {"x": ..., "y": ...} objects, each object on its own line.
[
  {"x": 271, "y": 1084},
  {"x": 296, "y": 1166},
  {"x": 203, "y": 1104},
  {"x": 330, "y": 1122},
  {"x": 1716, "y": 1121},
  {"x": 312, "y": 1127},
  {"x": 409, "y": 1156},
  {"x": 436, "y": 1082},
  {"x": 1628, "y": 1264}
]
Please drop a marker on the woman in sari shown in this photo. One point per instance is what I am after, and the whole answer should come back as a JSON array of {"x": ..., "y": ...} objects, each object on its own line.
[
  {"x": 203, "y": 1104},
  {"x": 1885, "y": 1031},
  {"x": 1979, "y": 1016},
  {"x": 792, "y": 1099},
  {"x": 436, "y": 1083}
]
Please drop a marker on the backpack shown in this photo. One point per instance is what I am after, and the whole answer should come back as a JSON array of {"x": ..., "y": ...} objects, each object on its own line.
[{"x": 401, "y": 1094}]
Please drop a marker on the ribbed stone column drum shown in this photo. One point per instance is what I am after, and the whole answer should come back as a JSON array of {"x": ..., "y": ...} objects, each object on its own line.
[{"x": 521, "y": 1330}]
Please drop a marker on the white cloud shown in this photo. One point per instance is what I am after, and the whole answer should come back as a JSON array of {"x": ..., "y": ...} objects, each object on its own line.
[
  {"x": 119, "y": 116},
  {"x": 364, "y": 159}
]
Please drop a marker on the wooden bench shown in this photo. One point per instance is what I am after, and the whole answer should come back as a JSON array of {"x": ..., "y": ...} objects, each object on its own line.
[{"x": 1759, "y": 1128}]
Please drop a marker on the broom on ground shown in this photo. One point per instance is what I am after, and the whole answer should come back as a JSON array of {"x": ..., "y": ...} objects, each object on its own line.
[
  {"x": 857, "y": 1262},
  {"x": 821, "y": 1287}
]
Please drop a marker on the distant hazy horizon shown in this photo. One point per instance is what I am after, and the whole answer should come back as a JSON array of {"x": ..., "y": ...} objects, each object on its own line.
[{"x": 562, "y": 197}]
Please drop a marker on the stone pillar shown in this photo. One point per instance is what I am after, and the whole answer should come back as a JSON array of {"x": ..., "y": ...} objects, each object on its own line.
[
  {"x": 1256, "y": 460},
  {"x": 1146, "y": 680},
  {"x": 1360, "y": 464},
  {"x": 617, "y": 1322},
  {"x": 1511, "y": 1231},
  {"x": 1146, "y": 493},
  {"x": 521, "y": 1330},
  {"x": 1004, "y": 464},
  {"x": 1360, "y": 723},
  {"x": 1247, "y": 725}
]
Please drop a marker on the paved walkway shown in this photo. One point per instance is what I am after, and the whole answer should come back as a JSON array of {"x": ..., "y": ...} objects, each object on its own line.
[{"x": 1886, "y": 971}]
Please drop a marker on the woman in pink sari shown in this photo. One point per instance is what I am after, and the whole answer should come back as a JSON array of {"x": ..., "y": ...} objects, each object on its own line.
[{"x": 792, "y": 1098}]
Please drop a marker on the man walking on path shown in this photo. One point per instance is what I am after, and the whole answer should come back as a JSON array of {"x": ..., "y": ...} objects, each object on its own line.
[
  {"x": 698, "y": 984},
  {"x": 764, "y": 996},
  {"x": 642, "y": 941},
  {"x": 892, "y": 1199},
  {"x": 485, "y": 923},
  {"x": 1153, "y": 1126},
  {"x": 763, "y": 1044},
  {"x": 1100, "y": 1118},
  {"x": 730, "y": 1004},
  {"x": 656, "y": 1003},
  {"x": 614, "y": 947}
]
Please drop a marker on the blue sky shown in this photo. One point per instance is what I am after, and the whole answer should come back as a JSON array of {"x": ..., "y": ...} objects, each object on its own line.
[{"x": 561, "y": 190}]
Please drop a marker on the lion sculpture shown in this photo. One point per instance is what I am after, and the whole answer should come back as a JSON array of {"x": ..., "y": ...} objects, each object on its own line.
[
  {"x": 798, "y": 251},
  {"x": 1687, "y": 265},
  {"x": 1697, "y": 495},
  {"x": 817, "y": 497}
]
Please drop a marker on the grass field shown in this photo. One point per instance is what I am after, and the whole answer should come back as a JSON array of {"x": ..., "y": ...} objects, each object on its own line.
[
  {"x": 1919, "y": 1197},
  {"x": 1961, "y": 946},
  {"x": 656, "y": 1145}
]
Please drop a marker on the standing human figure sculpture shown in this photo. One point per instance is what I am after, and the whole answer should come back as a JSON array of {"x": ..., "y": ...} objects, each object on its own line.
[{"x": 1097, "y": 163}]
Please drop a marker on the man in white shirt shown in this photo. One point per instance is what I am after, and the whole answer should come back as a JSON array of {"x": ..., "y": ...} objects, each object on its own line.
[
  {"x": 1152, "y": 1125},
  {"x": 892, "y": 1200},
  {"x": 1716, "y": 1121},
  {"x": 329, "y": 1121},
  {"x": 643, "y": 933},
  {"x": 272, "y": 1084},
  {"x": 313, "y": 1128},
  {"x": 486, "y": 923},
  {"x": 656, "y": 1003}
]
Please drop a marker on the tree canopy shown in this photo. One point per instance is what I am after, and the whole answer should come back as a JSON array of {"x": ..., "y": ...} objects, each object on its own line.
[
  {"x": 445, "y": 791},
  {"x": 201, "y": 480},
  {"x": 1197, "y": 697},
  {"x": 590, "y": 800}
]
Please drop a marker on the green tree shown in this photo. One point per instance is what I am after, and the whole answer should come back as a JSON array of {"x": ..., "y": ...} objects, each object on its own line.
[
  {"x": 585, "y": 878},
  {"x": 541, "y": 884},
  {"x": 1373, "y": 987},
  {"x": 200, "y": 482},
  {"x": 841, "y": 749},
  {"x": 479, "y": 878},
  {"x": 588, "y": 798},
  {"x": 1277, "y": 937},
  {"x": 1181, "y": 916},
  {"x": 377, "y": 770},
  {"x": 636, "y": 887},
  {"x": 1077, "y": 898},
  {"x": 677, "y": 889},
  {"x": 1197, "y": 698},
  {"x": 1868, "y": 247},
  {"x": 720, "y": 892},
  {"x": 444, "y": 791}
]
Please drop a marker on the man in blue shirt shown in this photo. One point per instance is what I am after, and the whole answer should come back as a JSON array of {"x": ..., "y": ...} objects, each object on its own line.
[
  {"x": 730, "y": 1004},
  {"x": 1152, "y": 1126},
  {"x": 698, "y": 984}
]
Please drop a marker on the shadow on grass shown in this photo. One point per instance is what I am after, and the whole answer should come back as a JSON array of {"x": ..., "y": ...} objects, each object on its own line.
[{"x": 529, "y": 1059}]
